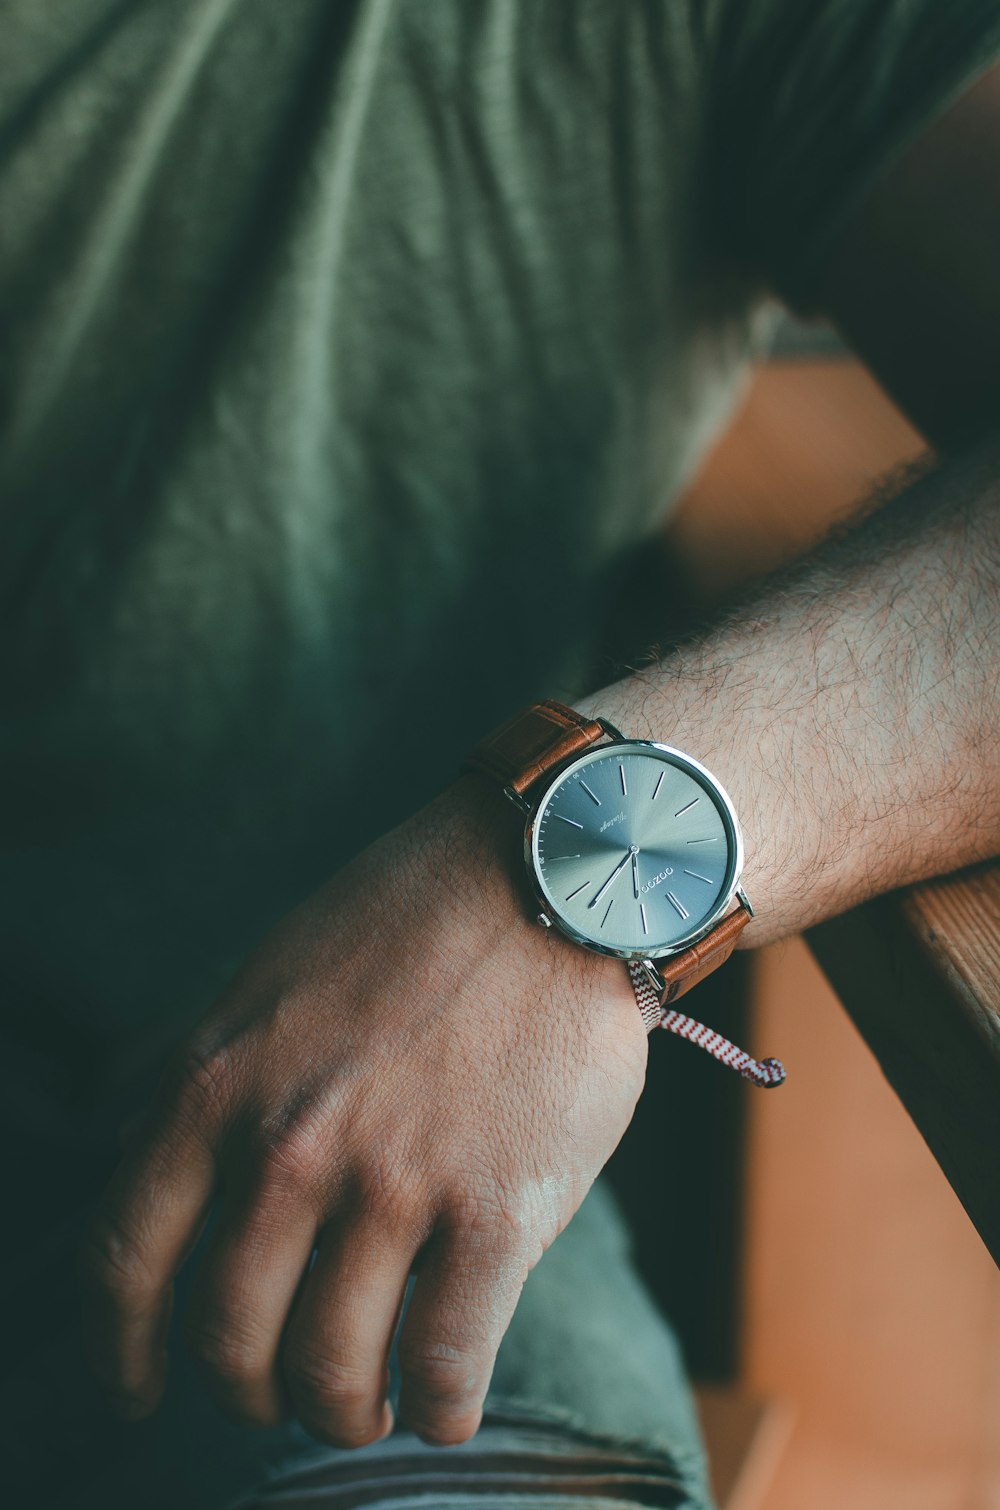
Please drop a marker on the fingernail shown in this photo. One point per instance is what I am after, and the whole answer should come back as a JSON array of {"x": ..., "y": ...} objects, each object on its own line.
[{"x": 388, "y": 1422}]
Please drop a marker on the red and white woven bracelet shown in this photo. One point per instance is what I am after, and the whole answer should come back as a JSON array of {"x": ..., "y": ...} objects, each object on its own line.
[{"x": 763, "y": 1072}]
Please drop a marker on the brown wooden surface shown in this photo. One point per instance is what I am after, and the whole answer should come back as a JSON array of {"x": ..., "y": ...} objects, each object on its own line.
[
  {"x": 919, "y": 973},
  {"x": 870, "y": 1305}
]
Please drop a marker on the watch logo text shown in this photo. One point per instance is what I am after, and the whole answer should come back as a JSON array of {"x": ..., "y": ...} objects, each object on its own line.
[{"x": 618, "y": 818}]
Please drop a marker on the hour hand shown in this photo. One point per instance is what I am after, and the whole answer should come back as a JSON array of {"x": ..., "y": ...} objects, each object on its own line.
[
  {"x": 616, "y": 872},
  {"x": 635, "y": 872}
]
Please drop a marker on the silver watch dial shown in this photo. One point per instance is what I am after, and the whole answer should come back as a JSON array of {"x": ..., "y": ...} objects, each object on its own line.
[{"x": 635, "y": 850}]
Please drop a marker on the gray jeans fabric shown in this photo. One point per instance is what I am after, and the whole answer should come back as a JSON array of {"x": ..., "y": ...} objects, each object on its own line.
[
  {"x": 587, "y": 1369},
  {"x": 587, "y": 1366},
  {"x": 519, "y": 1464}
]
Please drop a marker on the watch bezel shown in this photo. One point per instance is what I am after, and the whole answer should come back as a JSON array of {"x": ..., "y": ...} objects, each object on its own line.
[{"x": 730, "y": 823}]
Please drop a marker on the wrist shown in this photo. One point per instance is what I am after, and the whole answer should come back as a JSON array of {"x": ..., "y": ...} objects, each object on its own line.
[
  {"x": 741, "y": 745},
  {"x": 589, "y": 791},
  {"x": 484, "y": 832}
]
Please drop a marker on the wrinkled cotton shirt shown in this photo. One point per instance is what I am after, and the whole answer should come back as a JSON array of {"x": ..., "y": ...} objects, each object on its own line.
[{"x": 347, "y": 350}]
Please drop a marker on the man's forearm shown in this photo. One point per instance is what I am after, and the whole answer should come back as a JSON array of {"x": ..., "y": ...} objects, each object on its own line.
[{"x": 850, "y": 705}]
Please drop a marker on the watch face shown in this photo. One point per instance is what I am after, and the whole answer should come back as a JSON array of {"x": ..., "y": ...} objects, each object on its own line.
[{"x": 635, "y": 849}]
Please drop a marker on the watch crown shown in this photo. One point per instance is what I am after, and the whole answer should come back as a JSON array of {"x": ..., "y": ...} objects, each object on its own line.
[{"x": 543, "y": 920}]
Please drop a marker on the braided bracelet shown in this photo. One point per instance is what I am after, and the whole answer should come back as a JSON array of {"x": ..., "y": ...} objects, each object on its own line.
[{"x": 763, "y": 1072}]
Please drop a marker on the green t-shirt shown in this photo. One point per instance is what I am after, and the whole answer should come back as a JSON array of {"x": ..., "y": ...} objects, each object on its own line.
[{"x": 348, "y": 349}]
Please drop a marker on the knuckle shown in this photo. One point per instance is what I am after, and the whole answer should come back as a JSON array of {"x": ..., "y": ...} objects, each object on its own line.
[
  {"x": 496, "y": 1224},
  {"x": 111, "y": 1262},
  {"x": 383, "y": 1193},
  {"x": 204, "y": 1081},
  {"x": 224, "y": 1350},
  {"x": 293, "y": 1150},
  {"x": 443, "y": 1375},
  {"x": 326, "y": 1384}
]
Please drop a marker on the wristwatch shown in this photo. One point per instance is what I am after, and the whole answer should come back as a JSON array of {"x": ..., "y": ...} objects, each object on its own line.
[{"x": 632, "y": 849}]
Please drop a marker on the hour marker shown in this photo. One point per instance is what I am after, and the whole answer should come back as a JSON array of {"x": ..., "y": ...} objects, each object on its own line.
[
  {"x": 621, "y": 772},
  {"x": 571, "y": 821},
  {"x": 713, "y": 840},
  {"x": 590, "y": 794},
  {"x": 659, "y": 783},
  {"x": 688, "y": 807},
  {"x": 554, "y": 858},
  {"x": 604, "y": 919},
  {"x": 679, "y": 905},
  {"x": 698, "y": 877},
  {"x": 642, "y": 909},
  {"x": 577, "y": 892}
]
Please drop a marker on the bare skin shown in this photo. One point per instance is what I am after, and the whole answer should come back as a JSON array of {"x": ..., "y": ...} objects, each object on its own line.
[
  {"x": 408, "y": 1068},
  {"x": 381, "y": 1081}
]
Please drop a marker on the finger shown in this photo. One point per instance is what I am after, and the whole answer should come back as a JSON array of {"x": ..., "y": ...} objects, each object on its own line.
[
  {"x": 145, "y": 1226},
  {"x": 336, "y": 1357},
  {"x": 461, "y": 1306},
  {"x": 256, "y": 1259}
]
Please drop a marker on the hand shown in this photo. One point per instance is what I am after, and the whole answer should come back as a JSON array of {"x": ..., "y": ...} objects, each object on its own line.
[
  {"x": 635, "y": 871},
  {"x": 406, "y": 1067}
]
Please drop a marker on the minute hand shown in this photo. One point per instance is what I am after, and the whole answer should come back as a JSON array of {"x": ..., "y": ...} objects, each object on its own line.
[{"x": 616, "y": 872}]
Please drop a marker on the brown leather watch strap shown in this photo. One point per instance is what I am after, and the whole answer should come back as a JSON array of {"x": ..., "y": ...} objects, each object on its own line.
[
  {"x": 685, "y": 970},
  {"x": 532, "y": 744}
]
